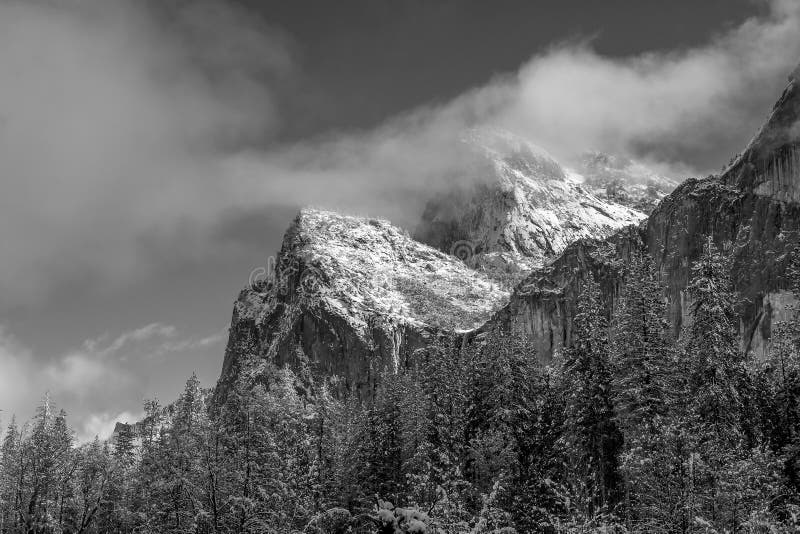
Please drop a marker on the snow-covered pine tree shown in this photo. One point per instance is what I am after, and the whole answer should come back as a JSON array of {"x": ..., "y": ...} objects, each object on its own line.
[
  {"x": 591, "y": 432},
  {"x": 642, "y": 357},
  {"x": 10, "y": 477},
  {"x": 716, "y": 373}
]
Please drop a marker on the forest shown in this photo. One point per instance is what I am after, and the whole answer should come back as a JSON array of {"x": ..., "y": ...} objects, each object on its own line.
[{"x": 627, "y": 430}]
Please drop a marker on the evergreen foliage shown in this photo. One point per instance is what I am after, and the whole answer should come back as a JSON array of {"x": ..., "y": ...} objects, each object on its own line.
[{"x": 626, "y": 430}]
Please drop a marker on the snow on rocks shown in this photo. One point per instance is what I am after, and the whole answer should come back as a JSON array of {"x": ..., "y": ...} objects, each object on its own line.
[
  {"x": 365, "y": 267},
  {"x": 524, "y": 213}
]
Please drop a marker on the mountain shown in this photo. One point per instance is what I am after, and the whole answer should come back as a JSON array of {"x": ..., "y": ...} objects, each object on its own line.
[
  {"x": 521, "y": 213},
  {"x": 751, "y": 210},
  {"x": 353, "y": 296},
  {"x": 623, "y": 180}
]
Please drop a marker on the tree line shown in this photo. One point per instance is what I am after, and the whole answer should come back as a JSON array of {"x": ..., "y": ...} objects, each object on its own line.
[{"x": 627, "y": 430}]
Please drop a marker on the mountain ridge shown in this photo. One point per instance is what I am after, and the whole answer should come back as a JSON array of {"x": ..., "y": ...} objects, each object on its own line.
[{"x": 356, "y": 296}]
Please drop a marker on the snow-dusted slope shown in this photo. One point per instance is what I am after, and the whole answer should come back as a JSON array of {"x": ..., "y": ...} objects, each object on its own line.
[
  {"x": 522, "y": 214},
  {"x": 361, "y": 267},
  {"x": 357, "y": 295}
]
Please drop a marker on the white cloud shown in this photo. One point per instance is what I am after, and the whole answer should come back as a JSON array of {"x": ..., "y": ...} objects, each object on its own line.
[
  {"x": 81, "y": 374},
  {"x": 99, "y": 383},
  {"x": 128, "y": 139},
  {"x": 685, "y": 112},
  {"x": 675, "y": 104},
  {"x": 187, "y": 344},
  {"x": 145, "y": 333}
]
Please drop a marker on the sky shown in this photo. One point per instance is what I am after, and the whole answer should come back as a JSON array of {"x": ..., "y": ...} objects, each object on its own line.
[{"x": 152, "y": 152}]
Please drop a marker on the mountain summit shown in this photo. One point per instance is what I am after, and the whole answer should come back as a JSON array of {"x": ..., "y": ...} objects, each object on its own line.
[
  {"x": 523, "y": 212},
  {"x": 355, "y": 296}
]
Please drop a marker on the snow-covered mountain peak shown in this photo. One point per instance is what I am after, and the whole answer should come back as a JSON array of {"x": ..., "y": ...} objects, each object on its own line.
[
  {"x": 525, "y": 210},
  {"x": 622, "y": 180},
  {"x": 512, "y": 151},
  {"x": 353, "y": 296},
  {"x": 366, "y": 267}
]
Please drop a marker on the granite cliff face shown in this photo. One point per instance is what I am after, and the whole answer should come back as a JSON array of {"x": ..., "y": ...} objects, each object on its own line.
[
  {"x": 354, "y": 297},
  {"x": 752, "y": 210}
]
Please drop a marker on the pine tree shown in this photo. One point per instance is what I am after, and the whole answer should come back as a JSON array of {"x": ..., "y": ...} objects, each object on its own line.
[
  {"x": 527, "y": 410},
  {"x": 716, "y": 370},
  {"x": 145, "y": 487},
  {"x": 379, "y": 458},
  {"x": 11, "y": 474},
  {"x": 714, "y": 422},
  {"x": 91, "y": 479},
  {"x": 592, "y": 435},
  {"x": 181, "y": 452},
  {"x": 643, "y": 390},
  {"x": 46, "y": 466},
  {"x": 438, "y": 457},
  {"x": 116, "y": 510},
  {"x": 641, "y": 349}
]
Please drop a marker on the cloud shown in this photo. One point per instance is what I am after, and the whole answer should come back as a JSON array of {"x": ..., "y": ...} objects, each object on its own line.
[
  {"x": 113, "y": 116},
  {"x": 145, "y": 333},
  {"x": 686, "y": 106},
  {"x": 81, "y": 374},
  {"x": 683, "y": 112},
  {"x": 182, "y": 345},
  {"x": 130, "y": 131},
  {"x": 107, "y": 373}
]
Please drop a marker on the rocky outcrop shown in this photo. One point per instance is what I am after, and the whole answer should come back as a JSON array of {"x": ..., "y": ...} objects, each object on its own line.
[
  {"x": 752, "y": 210},
  {"x": 353, "y": 297}
]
